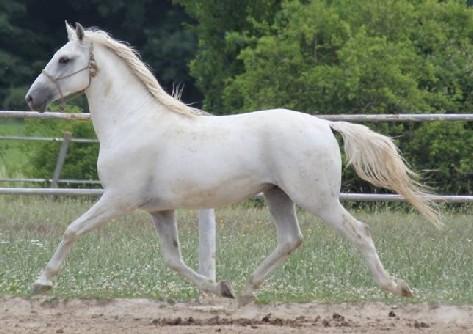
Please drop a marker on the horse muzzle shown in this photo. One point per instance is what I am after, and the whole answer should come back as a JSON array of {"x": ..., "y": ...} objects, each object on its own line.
[{"x": 39, "y": 99}]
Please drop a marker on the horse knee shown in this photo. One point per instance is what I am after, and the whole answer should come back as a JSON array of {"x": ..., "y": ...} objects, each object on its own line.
[
  {"x": 70, "y": 235},
  {"x": 362, "y": 236}
]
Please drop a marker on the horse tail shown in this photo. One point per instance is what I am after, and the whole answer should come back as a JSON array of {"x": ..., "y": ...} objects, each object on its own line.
[{"x": 377, "y": 160}]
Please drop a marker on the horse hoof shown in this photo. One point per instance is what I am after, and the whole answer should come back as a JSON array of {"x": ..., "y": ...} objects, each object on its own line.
[
  {"x": 226, "y": 289},
  {"x": 404, "y": 289},
  {"x": 39, "y": 288},
  {"x": 245, "y": 300}
]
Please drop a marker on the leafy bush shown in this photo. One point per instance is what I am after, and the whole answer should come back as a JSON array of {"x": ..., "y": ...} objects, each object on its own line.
[
  {"x": 445, "y": 152},
  {"x": 81, "y": 159}
]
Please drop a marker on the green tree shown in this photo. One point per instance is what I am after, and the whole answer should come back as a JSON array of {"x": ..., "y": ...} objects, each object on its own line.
[
  {"x": 30, "y": 32},
  {"x": 224, "y": 28},
  {"x": 18, "y": 59},
  {"x": 363, "y": 56},
  {"x": 445, "y": 152}
]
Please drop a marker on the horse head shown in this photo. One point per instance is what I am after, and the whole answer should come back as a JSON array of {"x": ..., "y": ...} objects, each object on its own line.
[{"x": 68, "y": 72}]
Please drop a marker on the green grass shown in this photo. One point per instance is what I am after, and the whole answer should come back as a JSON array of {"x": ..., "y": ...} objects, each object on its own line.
[
  {"x": 12, "y": 157},
  {"x": 122, "y": 259},
  {"x": 12, "y": 127}
]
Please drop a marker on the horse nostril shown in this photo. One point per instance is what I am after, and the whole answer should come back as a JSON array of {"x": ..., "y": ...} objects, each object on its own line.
[{"x": 28, "y": 98}]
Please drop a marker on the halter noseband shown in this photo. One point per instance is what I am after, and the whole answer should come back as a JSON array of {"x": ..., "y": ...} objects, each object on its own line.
[{"x": 91, "y": 66}]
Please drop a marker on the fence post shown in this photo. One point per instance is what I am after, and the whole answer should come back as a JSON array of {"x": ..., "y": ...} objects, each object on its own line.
[
  {"x": 207, "y": 243},
  {"x": 60, "y": 158}
]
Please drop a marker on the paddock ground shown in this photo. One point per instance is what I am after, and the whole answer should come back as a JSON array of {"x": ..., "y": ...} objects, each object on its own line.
[
  {"x": 53, "y": 315},
  {"x": 115, "y": 281}
]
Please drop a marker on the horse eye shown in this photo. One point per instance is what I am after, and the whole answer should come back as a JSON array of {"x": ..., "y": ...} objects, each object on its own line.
[{"x": 64, "y": 60}]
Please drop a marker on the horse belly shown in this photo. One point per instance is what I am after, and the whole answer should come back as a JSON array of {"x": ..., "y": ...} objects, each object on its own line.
[
  {"x": 191, "y": 195},
  {"x": 212, "y": 198}
]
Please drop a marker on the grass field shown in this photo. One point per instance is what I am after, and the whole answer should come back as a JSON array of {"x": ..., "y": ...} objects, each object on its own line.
[{"x": 122, "y": 259}]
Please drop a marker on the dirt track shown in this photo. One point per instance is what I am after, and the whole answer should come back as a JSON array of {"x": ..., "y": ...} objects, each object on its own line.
[{"x": 46, "y": 315}]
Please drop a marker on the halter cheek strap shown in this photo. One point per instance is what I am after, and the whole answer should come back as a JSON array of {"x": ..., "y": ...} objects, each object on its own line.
[{"x": 91, "y": 66}]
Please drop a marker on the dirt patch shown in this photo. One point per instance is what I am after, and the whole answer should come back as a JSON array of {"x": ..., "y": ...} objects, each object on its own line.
[{"x": 51, "y": 315}]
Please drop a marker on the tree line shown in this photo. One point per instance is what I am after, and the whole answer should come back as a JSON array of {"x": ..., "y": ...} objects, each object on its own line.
[{"x": 32, "y": 30}]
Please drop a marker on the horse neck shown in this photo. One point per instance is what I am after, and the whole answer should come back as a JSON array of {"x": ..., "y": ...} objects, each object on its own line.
[{"x": 116, "y": 96}]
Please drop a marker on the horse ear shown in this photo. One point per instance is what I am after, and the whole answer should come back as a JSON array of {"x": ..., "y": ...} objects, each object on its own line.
[
  {"x": 79, "y": 31},
  {"x": 70, "y": 31}
]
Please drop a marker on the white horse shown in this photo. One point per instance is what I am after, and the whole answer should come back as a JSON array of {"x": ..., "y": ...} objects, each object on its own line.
[{"x": 158, "y": 154}]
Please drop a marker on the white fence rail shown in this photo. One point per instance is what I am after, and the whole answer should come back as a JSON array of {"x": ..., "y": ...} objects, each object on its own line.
[
  {"x": 49, "y": 139},
  {"x": 40, "y": 180},
  {"x": 355, "y": 197},
  {"x": 44, "y": 115},
  {"x": 51, "y": 191},
  {"x": 340, "y": 117}
]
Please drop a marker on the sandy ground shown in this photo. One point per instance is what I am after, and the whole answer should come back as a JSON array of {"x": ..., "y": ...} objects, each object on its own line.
[{"x": 50, "y": 315}]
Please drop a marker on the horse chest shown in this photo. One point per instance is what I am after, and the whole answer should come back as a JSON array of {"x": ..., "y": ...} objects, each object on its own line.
[{"x": 120, "y": 163}]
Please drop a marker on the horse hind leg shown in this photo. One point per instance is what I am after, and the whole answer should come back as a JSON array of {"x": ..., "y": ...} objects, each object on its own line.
[
  {"x": 166, "y": 227},
  {"x": 358, "y": 234},
  {"x": 289, "y": 237}
]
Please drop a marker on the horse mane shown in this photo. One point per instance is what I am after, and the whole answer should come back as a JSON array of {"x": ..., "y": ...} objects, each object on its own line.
[{"x": 132, "y": 59}]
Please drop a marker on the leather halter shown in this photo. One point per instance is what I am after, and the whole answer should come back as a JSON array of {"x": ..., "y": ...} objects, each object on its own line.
[{"x": 91, "y": 66}]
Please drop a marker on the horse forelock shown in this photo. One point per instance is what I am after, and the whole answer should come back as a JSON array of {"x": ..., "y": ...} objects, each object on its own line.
[{"x": 131, "y": 57}]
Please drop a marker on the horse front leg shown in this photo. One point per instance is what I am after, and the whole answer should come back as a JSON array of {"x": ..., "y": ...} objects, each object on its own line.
[
  {"x": 165, "y": 223},
  {"x": 97, "y": 215}
]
